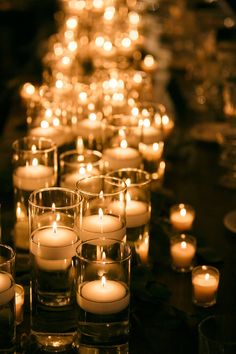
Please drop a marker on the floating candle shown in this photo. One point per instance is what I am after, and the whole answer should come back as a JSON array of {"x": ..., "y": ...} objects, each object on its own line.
[
  {"x": 182, "y": 217},
  {"x": 182, "y": 251},
  {"x": 7, "y": 290},
  {"x": 121, "y": 157}
]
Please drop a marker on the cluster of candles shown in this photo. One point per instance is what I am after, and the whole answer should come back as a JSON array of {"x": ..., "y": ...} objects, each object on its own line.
[{"x": 205, "y": 279}]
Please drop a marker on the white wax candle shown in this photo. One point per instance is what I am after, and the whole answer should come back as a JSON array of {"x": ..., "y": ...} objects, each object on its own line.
[
  {"x": 149, "y": 134},
  {"x": 137, "y": 213},
  {"x": 32, "y": 177},
  {"x": 21, "y": 234},
  {"x": 69, "y": 180},
  {"x": 103, "y": 298},
  {"x": 120, "y": 157},
  {"x": 59, "y": 135},
  {"x": 107, "y": 226},
  {"x": 88, "y": 127},
  {"x": 19, "y": 302},
  {"x": 7, "y": 290},
  {"x": 182, "y": 219},
  {"x": 51, "y": 244},
  {"x": 182, "y": 254},
  {"x": 204, "y": 287}
]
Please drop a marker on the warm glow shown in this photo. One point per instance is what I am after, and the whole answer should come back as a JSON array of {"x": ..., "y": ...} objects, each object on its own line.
[
  {"x": 33, "y": 148},
  {"x": 80, "y": 145},
  {"x": 44, "y": 124},
  {"x": 89, "y": 167},
  {"x": 53, "y": 207},
  {"x": 207, "y": 276},
  {"x": 155, "y": 146},
  {"x": 134, "y": 35},
  {"x": 109, "y": 13},
  {"x": 66, "y": 60},
  {"x": 107, "y": 46},
  {"x": 123, "y": 144},
  {"x": 99, "y": 41},
  {"x": 56, "y": 122},
  {"x": 149, "y": 61},
  {"x": 28, "y": 89},
  {"x": 128, "y": 197},
  {"x": 72, "y": 23},
  {"x": 35, "y": 162},
  {"x": 137, "y": 78},
  {"x": 69, "y": 35},
  {"x": 92, "y": 116},
  {"x": 100, "y": 214},
  {"x": 134, "y": 18},
  {"x": 58, "y": 50},
  {"x": 146, "y": 123},
  {"x": 83, "y": 96},
  {"x": 118, "y": 96},
  {"x": 128, "y": 182},
  {"x": 183, "y": 212},
  {"x": 165, "y": 119},
  {"x": 135, "y": 111},
  {"x": 82, "y": 171},
  {"x": 98, "y": 4},
  {"x": 59, "y": 84},
  {"x": 126, "y": 42},
  {"x": 183, "y": 245},
  {"x": 103, "y": 256},
  {"x": 72, "y": 46}
]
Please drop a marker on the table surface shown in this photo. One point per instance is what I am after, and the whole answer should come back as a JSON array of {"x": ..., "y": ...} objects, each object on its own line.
[{"x": 163, "y": 318}]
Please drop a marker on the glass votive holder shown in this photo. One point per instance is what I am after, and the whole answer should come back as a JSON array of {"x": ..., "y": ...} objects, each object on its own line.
[
  {"x": 103, "y": 208},
  {"x": 75, "y": 166},
  {"x": 205, "y": 282},
  {"x": 7, "y": 298},
  {"x": 182, "y": 217},
  {"x": 138, "y": 202},
  {"x": 53, "y": 219},
  {"x": 19, "y": 303},
  {"x": 118, "y": 151},
  {"x": 103, "y": 291},
  {"x": 182, "y": 252},
  {"x": 34, "y": 163}
]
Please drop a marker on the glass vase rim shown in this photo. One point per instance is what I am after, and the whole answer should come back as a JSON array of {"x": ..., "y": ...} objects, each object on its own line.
[
  {"x": 122, "y": 185},
  {"x": 36, "y": 139}
]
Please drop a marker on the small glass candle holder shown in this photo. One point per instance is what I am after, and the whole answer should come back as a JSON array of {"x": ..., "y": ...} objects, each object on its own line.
[
  {"x": 205, "y": 282},
  {"x": 182, "y": 217},
  {"x": 103, "y": 291},
  {"x": 75, "y": 166},
  {"x": 53, "y": 219},
  {"x": 182, "y": 252},
  {"x": 7, "y": 298},
  {"x": 19, "y": 303},
  {"x": 103, "y": 207},
  {"x": 138, "y": 202},
  {"x": 34, "y": 163}
]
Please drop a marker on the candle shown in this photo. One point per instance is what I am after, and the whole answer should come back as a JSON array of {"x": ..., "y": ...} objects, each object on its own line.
[
  {"x": 19, "y": 302},
  {"x": 6, "y": 288},
  {"x": 54, "y": 247},
  {"x": 58, "y": 134},
  {"x": 182, "y": 217},
  {"x": 103, "y": 297},
  {"x": 149, "y": 64},
  {"x": 69, "y": 179},
  {"x": 35, "y": 176},
  {"x": 107, "y": 226},
  {"x": 205, "y": 281},
  {"x": 89, "y": 127},
  {"x": 121, "y": 157},
  {"x": 182, "y": 251}
]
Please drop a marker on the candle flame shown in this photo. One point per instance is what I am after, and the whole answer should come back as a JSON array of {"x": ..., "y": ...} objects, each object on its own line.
[
  {"x": 165, "y": 119},
  {"x": 183, "y": 211},
  {"x": 44, "y": 124},
  {"x": 54, "y": 227},
  {"x": 123, "y": 144},
  {"x": 183, "y": 245},
  {"x": 80, "y": 145},
  {"x": 207, "y": 276},
  {"x": 35, "y": 162},
  {"x": 82, "y": 171},
  {"x": 155, "y": 146},
  {"x": 103, "y": 256},
  {"x": 92, "y": 116},
  {"x": 107, "y": 46},
  {"x": 28, "y": 88},
  {"x": 128, "y": 197},
  {"x": 149, "y": 60},
  {"x": 103, "y": 280},
  {"x": 33, "y": 148},
  {"x": 146, "y": 123},
  {"x": 100, "y": 214},
  {"x": 53, "y": 207}
]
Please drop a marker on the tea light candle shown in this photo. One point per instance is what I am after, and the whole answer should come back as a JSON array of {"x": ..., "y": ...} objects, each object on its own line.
[
  {"x": 103, "y": 297},
  {"x": 19, "y": 302},
  {"x": 182, "y": 251},
  {"x": 7, "y": 290},
  {"x": 35, "y": 176},
  {"x": 89, "y": 127},
  {"x": 53, "y": 246},
  {"x": 69, "y": 180},
  {"x": 107, "y": 226},
  {"x": 121, "y": 157},
  {"x": 182, "y": 216},
  {"x": 205, "y": 281},
  {"x": 57, "y": 134}
]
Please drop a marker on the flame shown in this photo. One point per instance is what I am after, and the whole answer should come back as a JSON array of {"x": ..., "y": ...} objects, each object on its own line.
[
  {"x": 183, "y": 211},
  {"x": 183, "y": 245},
  {"x": 123, "y": 144},
  {"x": 44, "y": 124},
  {"x": 103, "y": 280},
  {"x": 207, "y": 276},
  {"x": 35, "y": 162},
  {"x": 54, "y": 227}
]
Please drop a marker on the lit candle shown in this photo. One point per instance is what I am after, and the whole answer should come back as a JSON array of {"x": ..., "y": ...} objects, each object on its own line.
[
  {"x": 205, "y": 281},
  {"x": 121, "y": 157},
  {"x": 19, "y": 302},
  {"x": 101, "y": 225},
  {"x": 54, "y": 247},
  {"x": 182, "y": 251},
  {"x": 103, "y": 297},
  {"x": 69, "y": 180},
  {"x": 89, "y": 127},
  {"x": 35, "y": 176},
  {"x": 7, "y": 290},
  {"x": 182, "y": 217},
  {"x": 55, "y": 133}
]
